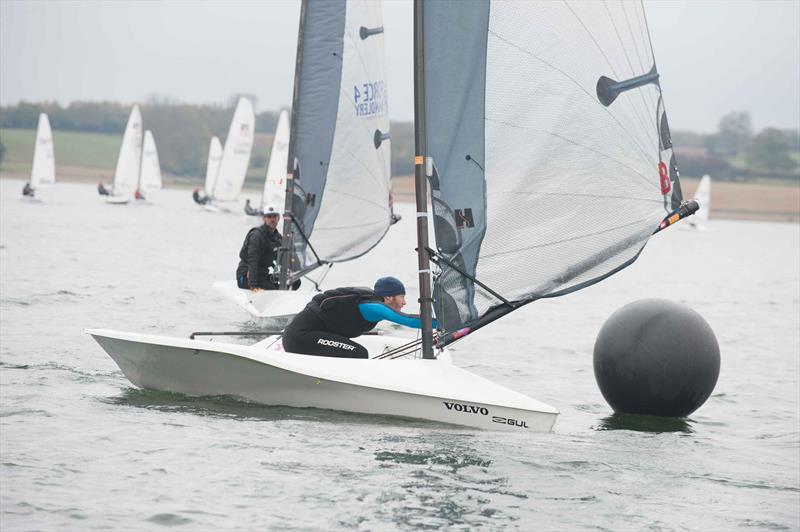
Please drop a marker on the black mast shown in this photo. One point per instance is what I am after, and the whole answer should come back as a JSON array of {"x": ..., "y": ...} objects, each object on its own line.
[
  {"x": 287, "y": 247},
  {"x": 420, "y": 183}
]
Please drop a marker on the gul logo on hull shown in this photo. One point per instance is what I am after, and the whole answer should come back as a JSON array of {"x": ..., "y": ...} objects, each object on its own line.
[
  {"x": 509, "y": 421},
  {"x": 467, "y": 409}
]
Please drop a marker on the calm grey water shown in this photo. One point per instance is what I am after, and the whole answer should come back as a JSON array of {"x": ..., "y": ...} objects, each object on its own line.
[{"x": 82, "y": 449}]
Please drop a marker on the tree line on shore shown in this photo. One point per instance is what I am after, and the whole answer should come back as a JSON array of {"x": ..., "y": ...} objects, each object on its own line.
[
  {"x": 183, "y": 132},
  {"x": 736, "y": 152}
]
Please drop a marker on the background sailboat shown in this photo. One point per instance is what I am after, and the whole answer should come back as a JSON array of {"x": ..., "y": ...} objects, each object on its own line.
[
  {"x": 232, "y": 169},
  {"x": 274, "y": 192},
  {"x": 150, "y": 173},
  {"x": 126, "y": 175},
  {"x": 703, "y": 197},
  {"x": 43, "y": 170},
  {"x": 212, "y": 167}
]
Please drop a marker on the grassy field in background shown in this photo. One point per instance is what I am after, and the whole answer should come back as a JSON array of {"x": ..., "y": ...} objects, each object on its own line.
[
  {"x": 92, "y": 150},
  {"x": 92, "y": 156}
]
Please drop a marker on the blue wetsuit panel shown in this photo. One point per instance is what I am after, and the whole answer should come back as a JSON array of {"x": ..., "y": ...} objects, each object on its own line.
[{"x": 378, "y": 312}]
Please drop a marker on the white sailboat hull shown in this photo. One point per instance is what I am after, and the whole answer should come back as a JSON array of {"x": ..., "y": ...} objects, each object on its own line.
[
  {"x": 267, "y": 303},
  {"x": 432, "y": 390},
  {"x": 117, "y": 200}
]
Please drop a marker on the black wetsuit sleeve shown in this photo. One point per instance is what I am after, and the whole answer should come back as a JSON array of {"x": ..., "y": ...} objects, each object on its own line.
[{"x": 253, "y": 253}]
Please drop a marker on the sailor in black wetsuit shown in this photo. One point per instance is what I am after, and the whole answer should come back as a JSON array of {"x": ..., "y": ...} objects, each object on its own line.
[
  {"x": 258, "y": 254},
  {"x": 27, "y": 190},
  {"x": 200, "y": 200},
  {"x": 249, "y": 209},
  {"x": 102, "y": 190},
  {"x": 329, "y": 322}
]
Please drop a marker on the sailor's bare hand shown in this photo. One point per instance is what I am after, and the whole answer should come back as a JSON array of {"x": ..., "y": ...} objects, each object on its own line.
[{"x": 256, "y": 289}]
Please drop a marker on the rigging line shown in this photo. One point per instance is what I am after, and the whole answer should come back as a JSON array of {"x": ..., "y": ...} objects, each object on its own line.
[
  {"x": 621, "y": 163},
  {"x": 300, "y": 230},
  {"x": 631, "y": 138},
  {"x": 628, "y": 101},
  {"x": 624, "y": 49},
  {"x": 577, "y": 195},
  {"x": 573, "y": 239},
  {"x": 438, "y": 256}
]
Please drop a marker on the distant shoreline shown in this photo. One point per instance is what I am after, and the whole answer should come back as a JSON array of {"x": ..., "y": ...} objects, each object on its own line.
[{"x": 760, "y": 200}]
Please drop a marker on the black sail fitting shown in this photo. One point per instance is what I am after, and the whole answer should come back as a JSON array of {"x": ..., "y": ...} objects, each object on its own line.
[
  {"x": 686, "y": 209},
  {"x": 380, "y": 137},
  {"x": 368, "y": 32},
  {"x": 608, "y": 89}
]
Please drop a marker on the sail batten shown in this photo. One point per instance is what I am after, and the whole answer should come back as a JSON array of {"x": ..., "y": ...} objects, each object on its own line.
[{"x": 541, "y": 184}]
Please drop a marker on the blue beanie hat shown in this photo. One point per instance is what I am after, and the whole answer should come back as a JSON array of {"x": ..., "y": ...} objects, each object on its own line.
[{"x": 389, "y": 286}]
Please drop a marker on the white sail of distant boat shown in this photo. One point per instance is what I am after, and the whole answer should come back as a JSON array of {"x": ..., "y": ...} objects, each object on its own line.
[
  {"x": 275, "y": 183},
  {"x": 212, "y": 167},
  {"x": 43, "y": 171},
  {"x": 150, "y": 175},
  {"x": 703, "y": 196},
  {"x": 235, "y": 154},
  {"x": 126, "y": 176}
]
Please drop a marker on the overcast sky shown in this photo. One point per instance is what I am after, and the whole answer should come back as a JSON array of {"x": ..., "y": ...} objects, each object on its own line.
[{"x": 714, "y": 56}]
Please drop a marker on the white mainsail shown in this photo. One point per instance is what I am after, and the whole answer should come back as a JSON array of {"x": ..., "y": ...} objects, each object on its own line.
[
  {"x": 339, "y": 155},
  {"x": 150, "y": 176},
  {"x": 126, "y": 175},
  {"x": 212, "y": 167},
  {"x": 43, "y": 171},
  {"x": 236, "y": 153},
  {"x": 546, "y": 174},
  {"x": 275, "y": 183}
]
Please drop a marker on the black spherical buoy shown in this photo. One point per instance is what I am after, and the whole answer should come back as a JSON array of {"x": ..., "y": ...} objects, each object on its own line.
[{"x": 656, "y": 357}]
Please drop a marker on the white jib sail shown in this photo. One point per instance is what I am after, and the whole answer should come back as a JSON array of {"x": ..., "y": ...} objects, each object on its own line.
[
  {"x": 275, "y": 183},
  {"x": 43, "y": 171},
  {"x": 150, "y": 177},
  {"x": 359, "y": 172},
  {"x": 126, "y": 176},
  {"x": 212, "y": 167},
  {"x": 236, "y": 154}
]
